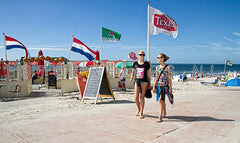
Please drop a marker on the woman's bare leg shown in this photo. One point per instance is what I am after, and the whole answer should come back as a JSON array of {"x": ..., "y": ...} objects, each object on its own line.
[
  {"x": 160, "y": 109},
  {"x": 142, "y": 98},
  {"x": 136, "y": 96},
  {"x": 164, "y": 109}
]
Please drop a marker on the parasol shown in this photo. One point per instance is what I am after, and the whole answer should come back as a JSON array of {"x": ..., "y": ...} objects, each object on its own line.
[{"x": 127, "y": 64}]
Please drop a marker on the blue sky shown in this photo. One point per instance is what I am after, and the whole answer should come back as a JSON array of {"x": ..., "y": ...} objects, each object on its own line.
[{"x": 209, "y": 30}]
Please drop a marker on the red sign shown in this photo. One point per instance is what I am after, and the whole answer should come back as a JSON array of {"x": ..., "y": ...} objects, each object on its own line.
[{"x": 165, "y": 22}]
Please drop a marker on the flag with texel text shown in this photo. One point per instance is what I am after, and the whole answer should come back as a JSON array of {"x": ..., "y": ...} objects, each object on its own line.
[{"x": 160, "y": 22}]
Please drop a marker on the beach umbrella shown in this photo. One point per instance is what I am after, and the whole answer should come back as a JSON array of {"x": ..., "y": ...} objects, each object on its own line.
[
  {"x": 55, "y": 64},
  {"x": 76, "y": 63},
  {"x": 117, "y": 61},
  {"x": 233, "y": 82},
  {"x": 89, "y": 64},
  {"x": 11, "y": 63},
  {"x": 127, "y": 65},
  {"x": 34, "y": 63}
]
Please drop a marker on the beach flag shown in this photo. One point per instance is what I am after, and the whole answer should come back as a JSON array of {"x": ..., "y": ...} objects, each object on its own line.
[
  {"x": 132, "y": 55},
  {"x": 12, "y": 43},
  {"x": 228, "y": 62},
  {"x": 79, "y": 47},
  {"x": 109, "y": 35},
  {"x": 160, "y": 22}
]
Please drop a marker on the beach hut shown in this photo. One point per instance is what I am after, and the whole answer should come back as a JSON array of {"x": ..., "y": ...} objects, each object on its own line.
[{"x": 233, "y": 82}]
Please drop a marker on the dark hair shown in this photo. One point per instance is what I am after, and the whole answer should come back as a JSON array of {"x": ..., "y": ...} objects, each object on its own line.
[{"x": 164, "y": 57}]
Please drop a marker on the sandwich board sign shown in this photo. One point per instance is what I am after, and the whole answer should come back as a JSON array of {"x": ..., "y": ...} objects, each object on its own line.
[{"x": 97, "y": 85}]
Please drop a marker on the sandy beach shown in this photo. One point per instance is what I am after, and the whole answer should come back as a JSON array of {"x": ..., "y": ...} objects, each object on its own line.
[{"x": 201, "y": 113}]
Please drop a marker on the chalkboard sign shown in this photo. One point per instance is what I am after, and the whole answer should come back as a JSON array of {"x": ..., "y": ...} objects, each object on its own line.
[
  {"x": 52, "y": 80},
  {"x": 105, "y": 89},
  {"x": 97, "y": 83}
]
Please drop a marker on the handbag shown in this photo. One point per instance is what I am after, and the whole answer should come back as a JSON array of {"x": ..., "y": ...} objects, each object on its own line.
[
  {"x": 156, "y": 85},
  {"x": 148, "y": 93}
]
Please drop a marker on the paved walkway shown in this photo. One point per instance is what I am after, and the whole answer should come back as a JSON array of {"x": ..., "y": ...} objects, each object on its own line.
[{"x": 198, "y": 118}]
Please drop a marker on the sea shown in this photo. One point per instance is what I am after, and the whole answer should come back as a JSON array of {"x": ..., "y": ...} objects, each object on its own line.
[{"x": 214, "y": 69}]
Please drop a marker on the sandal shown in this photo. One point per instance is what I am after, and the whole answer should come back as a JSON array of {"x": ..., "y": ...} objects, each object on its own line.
[{"x": 159, "y": 120}]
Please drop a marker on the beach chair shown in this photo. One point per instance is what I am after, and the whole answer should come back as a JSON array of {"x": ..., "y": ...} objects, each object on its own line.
[
  {"x": 215, "y": 83},
  {"x": 15, "y": 89}
]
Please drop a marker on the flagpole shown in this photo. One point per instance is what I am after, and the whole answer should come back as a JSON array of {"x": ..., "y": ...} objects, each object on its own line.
[
  {"x": 5, "y": 45},
  {"x": 225, "y": 66},
  {"x": 70, "y": 49},
  {"x": 148, "y": 35},
  {"x": 101, "y": 44}
]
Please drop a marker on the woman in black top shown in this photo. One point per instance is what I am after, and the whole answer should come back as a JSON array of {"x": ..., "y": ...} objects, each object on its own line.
[{"x": 141, "y": 69}]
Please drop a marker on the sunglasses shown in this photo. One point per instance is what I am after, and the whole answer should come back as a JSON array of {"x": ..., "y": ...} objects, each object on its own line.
[
  {"x": 141, "y": 54},
  {"x": 159, "y": 57}
]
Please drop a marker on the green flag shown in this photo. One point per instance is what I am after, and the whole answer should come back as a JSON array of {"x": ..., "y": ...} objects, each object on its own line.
[
  {"x": 109, "y": 35},
  {"x": 229, "y": 63}
]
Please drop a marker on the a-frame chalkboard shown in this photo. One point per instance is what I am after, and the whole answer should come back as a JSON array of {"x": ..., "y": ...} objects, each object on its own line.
[{"x": 97, "y": 84}]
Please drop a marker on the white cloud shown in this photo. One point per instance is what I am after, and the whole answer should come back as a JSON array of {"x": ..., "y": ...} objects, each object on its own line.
[
  {"x": 50, "y": 47},
  {"x": 202, "y": 46},
  {"x": 227, "y": 38},
  {"x": 216, "y": 44},
  {"x": 236, "y": 33},
  {"x": 236, "y": 53},
  {"x": 80, "y": 28}
]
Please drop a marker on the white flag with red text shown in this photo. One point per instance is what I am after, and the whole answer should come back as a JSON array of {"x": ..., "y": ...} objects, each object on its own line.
[{"x": 159, "y": 22}]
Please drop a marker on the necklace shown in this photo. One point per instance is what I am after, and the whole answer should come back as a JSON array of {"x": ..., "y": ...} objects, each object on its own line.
[{"x": 162, "y": 66}]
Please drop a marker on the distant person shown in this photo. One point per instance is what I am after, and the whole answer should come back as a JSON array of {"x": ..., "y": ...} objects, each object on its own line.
[
  {"x": 34, "y": 76},
  {"x": 184, "y": 76},
  {"x": 123, "y": 77},
  {"x": 98, "y": 64},
  {"x": 201, "y": 74},
  {"x": 196, "y": 75},
  {"x": 141, "y": 69},
  {"x": 164, "y": 84}
]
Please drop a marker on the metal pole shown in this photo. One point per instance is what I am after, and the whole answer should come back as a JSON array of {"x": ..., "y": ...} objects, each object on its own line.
[
  {"x": 5, "y": 45},
  {"x": 70, "y": 49},
  {"x": 148, "y": 35},
  {"x": 225, "y": 66},
  {"x": 101, "y": 44}
]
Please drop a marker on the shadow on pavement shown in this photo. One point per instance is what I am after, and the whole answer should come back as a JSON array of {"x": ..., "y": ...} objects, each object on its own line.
[{"x": 189, "y": 118}]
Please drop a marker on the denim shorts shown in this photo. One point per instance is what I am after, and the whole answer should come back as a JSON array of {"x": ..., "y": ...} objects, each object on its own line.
[{"x": 141, "y": 82}]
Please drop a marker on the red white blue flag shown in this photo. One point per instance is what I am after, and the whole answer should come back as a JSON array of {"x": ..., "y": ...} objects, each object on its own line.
[
  {"x": 13, "y": 43},
  {"x": 132, "y": 55},
  {"x": 79, "y": 47}
]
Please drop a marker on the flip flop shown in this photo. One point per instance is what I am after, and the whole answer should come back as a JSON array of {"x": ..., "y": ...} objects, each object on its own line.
[{"x": 159, "y": 120}]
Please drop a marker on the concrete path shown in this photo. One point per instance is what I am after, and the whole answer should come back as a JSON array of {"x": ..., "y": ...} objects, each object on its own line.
[{"x": 208, "y": 118}]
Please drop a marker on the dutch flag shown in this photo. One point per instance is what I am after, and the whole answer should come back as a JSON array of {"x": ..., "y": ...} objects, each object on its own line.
[
  {"x": 79, "y": 47},
  {"x": 13, "y": 43}
]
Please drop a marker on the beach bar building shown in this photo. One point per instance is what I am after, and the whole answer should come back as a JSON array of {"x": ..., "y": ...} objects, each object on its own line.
[{"x": 17, "y": 75}]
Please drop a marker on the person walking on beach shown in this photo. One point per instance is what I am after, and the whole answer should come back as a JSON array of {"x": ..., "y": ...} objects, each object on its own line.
[
  {"x": 123, "y": 77},
  {"x": 141, "y": 69},
  {"x": 164, "y": 84}
]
